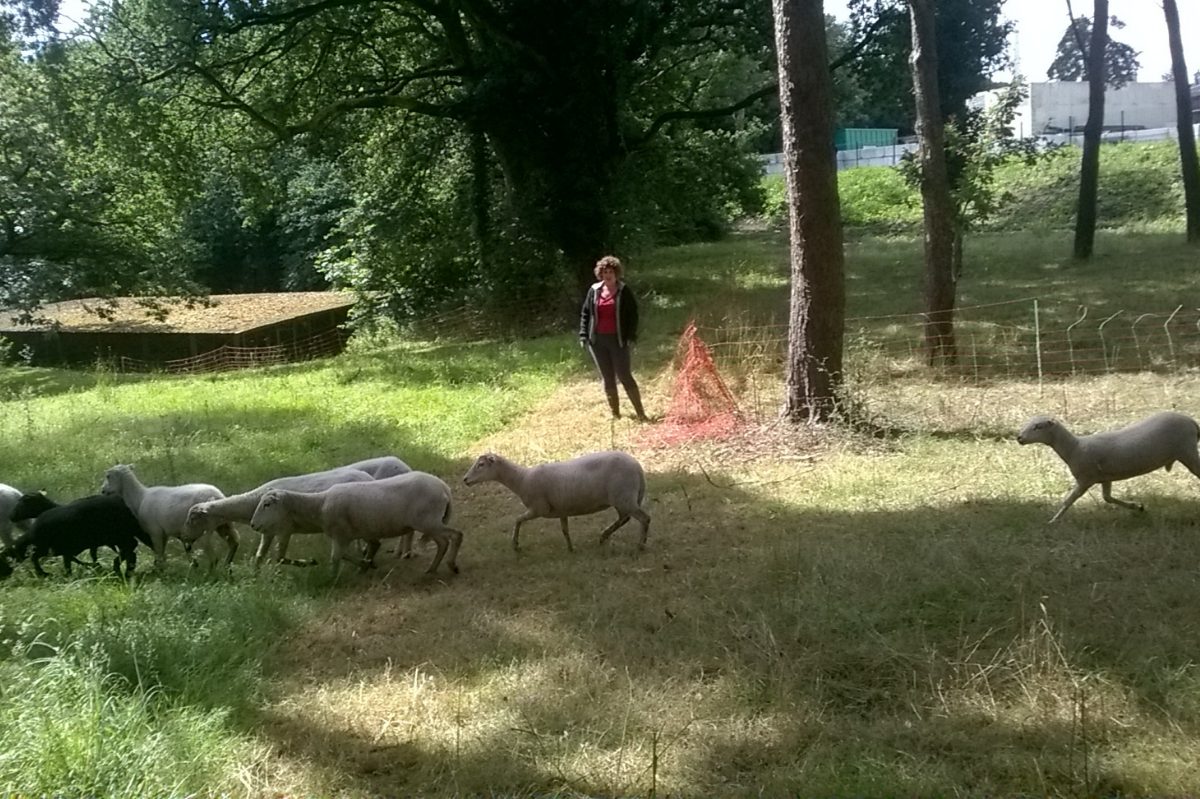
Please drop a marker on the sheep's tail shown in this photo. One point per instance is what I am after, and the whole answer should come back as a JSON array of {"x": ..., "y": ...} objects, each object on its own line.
[
  {"x": 642, "y": 489},
  {"x": 449, "y": 509}
]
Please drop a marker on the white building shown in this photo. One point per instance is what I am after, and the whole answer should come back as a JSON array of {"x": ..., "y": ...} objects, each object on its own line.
[{"x": 1062, "y": 106}]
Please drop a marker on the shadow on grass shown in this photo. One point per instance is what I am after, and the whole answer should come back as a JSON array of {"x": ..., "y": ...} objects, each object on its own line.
[{"x": 922, "y": 650}]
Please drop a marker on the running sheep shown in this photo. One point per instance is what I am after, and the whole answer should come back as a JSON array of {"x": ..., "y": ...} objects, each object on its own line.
[
  {"x": 9, "y": 497},
  {"x": 205, "y": 516},
  {"x": 162, "y": 511},
  {"x": 577, "y": 487},
  {"x": 67, "y": 530},
  {"x": 395, "y": 506},
  {"x": 1157, "y": 441}
]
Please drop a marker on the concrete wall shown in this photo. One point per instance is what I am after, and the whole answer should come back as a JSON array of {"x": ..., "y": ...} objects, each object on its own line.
[{"x": 1064, "y": 105}]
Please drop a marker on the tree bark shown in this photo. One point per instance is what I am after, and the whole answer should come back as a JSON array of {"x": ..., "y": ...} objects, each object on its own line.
[
  {"x": 818, "y": 296},
  {"x": 1183, "y": 113},
  {"x": 935, "y": 189},
  {"x": 1089, "y": 167}
]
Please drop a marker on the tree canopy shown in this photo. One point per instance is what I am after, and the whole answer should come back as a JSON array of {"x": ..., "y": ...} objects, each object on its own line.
[{"x": 1071, "y": 61}]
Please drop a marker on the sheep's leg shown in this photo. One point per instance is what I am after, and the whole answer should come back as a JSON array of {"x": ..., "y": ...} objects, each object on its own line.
[
  {"x": 644, "y": 520},
  {"x": 230, "y": 535},
  {"x": 92, "y": 550},
  {"x": 129, "y": 555},
  {"x": 1106, "y": 490},
  {"x": 622, "y": 518},
  {"x": 264, "y": 547},
  {"x": 336, "y": 553},
  {"x": 1078, "y": 491},
  {"x": 448, "y": 541},
  {"x": 524, "y": 517},
  {"x": 566, "y": 533},
  {"x": 158, "y": 543},
  {"x": 1192, "y": 462},
  {"x": 405, "y": 548},
  {"x": 370, "y": 550},
  {"x": 37, "y": 564}
]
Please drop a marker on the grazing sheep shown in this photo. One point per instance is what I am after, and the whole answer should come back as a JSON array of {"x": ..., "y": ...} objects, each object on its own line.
[
  {"x": 163, "y": 510},
  {"x": 1155, "y": 442},
  {"x": 9, "y": 497},
  {"x": 394, "y": 506},
  {"x": 67, "y": 530},
  {"x": 382, "y": 467},
  {"x": 577, "y": 487},
  {"x": 205, "y": 516}
]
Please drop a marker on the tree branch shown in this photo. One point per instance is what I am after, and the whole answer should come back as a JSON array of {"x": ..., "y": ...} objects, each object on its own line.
[
  {"x": 703, "y": 113},
  {"x": 885, "y": 17}
]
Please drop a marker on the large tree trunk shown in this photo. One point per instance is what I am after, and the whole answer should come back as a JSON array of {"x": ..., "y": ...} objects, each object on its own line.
[
  {"x": 818, "y": 301},
  {"x": 935, "y": 189},
  {"x": 1183, "y": 113},
  {"x": 1089, "y": 167}
]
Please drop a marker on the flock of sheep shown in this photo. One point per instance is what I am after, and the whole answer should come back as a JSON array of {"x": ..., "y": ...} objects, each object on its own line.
[
  {"x": 369, "y": 501},
  {"x": 382, "y": 498}
]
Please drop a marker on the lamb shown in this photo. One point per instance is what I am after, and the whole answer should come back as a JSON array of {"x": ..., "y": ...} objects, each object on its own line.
[
  {"x": 577, "y": 487},
  {"x": 379, "y": 468},
  {"x": 240, "y": 508},
  {"x": 394, "y": 506},
  {"x": 9, "y": 497},
  {"x": 1156, "y": 441},
  {"x": 67, "y": 530},
  {"x": 162, "y": 511}
]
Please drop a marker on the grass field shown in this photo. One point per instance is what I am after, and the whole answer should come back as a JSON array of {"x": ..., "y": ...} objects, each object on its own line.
[{"x": 819, "y": 613}]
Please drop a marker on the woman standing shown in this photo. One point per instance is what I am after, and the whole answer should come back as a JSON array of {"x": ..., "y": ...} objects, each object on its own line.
[{"x": 608, "y": 327}]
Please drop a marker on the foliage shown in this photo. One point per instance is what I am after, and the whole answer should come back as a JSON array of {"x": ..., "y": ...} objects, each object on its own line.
[
  {"x": 1070, "y": 59},
  {"x": 978, "y": 142},
  {"x": 565, "y": 93},
  {"x": 971, "y": 35},
  {"x": 1140, "y": 188}
]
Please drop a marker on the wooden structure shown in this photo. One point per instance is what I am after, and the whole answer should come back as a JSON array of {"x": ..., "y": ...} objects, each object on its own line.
[{"x": 148, "y": 333}]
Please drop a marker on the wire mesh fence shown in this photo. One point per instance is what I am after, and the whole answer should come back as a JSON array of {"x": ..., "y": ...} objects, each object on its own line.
[{"x": 1030, "y": 341}]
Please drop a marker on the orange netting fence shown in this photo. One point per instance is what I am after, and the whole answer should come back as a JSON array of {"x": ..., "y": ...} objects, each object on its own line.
[
  {"x": 226, "y": 358},
  {"x": 701, "y": 405}
]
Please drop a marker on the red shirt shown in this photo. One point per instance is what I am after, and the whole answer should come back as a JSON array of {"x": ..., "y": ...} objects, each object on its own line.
[{"x": 606, "y": 313}]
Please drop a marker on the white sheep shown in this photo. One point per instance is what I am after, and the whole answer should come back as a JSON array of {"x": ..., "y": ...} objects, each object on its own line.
[
  {"x": 9, "y": 497},
  {"x": 162, "y": 511},
  {"x": 577, "y": 487},
  {"x": 1157, "y": 441},
  {"x": 394, "y": 506},
  {"x": 205, "y": 516},
  {"x": 382, "y": 467}
]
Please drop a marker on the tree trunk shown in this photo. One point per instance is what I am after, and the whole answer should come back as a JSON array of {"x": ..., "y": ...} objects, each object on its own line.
[
  {"x": 1089, "y": 168},
  {"x": 818, "y": 299},
  {"x": 1183, "y": 113},
  {"x": 935, "y": 189}
]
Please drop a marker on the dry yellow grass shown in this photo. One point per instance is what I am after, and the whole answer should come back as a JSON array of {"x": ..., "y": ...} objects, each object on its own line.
[{"x": 865, "y": 616}]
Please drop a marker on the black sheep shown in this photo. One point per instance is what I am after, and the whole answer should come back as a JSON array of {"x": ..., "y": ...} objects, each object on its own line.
[{"x": 66, "y": 530}]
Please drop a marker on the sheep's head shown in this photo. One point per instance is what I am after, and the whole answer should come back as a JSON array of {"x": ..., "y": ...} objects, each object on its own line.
[
  {"x": 484, "y": 469},
  {"x": 31, "y": 506},
  {"x": 115, "y": 477},
  {"x": 269, "y": 511},
  {"x": 1038, "y": 430},
  {"x": 197, "y": 521}
]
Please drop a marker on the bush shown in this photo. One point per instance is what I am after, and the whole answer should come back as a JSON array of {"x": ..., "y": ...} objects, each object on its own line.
[{"x": 1140, "y": 186}]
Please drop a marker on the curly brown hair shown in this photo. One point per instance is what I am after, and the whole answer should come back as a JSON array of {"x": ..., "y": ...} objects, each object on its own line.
[{"x": 609, "y": 262}]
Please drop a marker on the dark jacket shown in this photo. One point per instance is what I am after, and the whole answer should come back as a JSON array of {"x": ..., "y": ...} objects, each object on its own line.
[{"x": 627, "y": 315}]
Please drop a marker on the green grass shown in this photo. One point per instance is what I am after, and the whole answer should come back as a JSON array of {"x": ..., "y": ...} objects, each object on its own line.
[{"x": 819, "y": 613}]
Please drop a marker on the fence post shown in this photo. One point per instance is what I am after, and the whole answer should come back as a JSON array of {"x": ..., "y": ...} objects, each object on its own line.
[{"x": 1037, "y": 343}]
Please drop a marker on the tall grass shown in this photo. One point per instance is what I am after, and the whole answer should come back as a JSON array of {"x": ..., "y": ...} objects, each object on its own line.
[
  {"x": 819, "y": 612},
  {"x": 148, "y": 690}
]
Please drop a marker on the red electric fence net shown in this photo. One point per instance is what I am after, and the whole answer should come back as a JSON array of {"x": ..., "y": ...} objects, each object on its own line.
[{"x": 701, "y": 405}]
